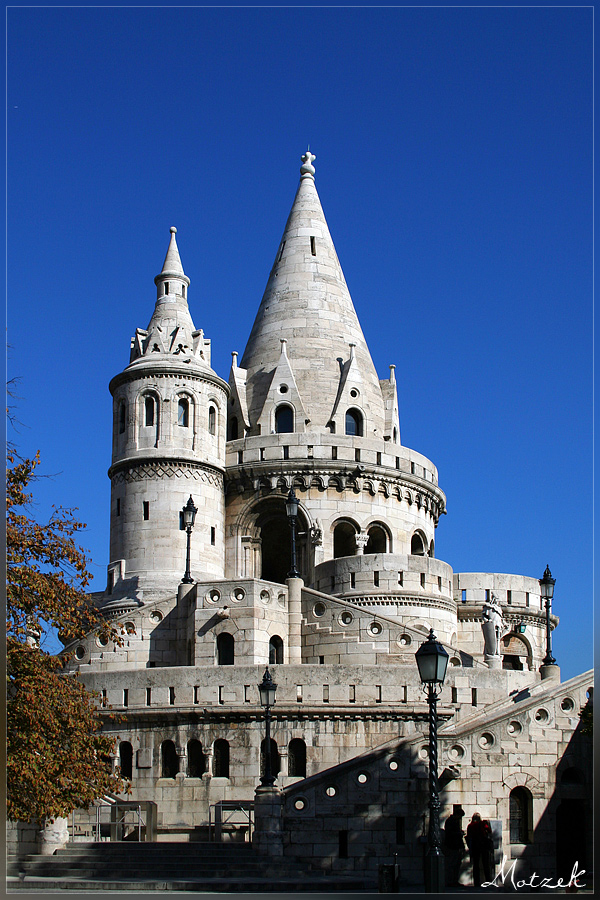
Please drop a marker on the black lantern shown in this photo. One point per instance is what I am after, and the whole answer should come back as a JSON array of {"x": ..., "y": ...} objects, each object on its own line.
[
  {"x": 188, "y": 515},
  {"x": 291, "y": 508},
  {"x": 547, "y": 583},
  {"x": 267, "y": 689},
  {"x": 432, "y": 660}
]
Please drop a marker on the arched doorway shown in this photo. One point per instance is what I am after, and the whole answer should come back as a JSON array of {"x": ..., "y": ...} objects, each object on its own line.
[{"x": 274, "y": 528}]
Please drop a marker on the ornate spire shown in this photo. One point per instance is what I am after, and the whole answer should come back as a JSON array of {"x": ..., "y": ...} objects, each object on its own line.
[
  {"x": 307, "y": 168},
  {"x": 172, "y": 265}
]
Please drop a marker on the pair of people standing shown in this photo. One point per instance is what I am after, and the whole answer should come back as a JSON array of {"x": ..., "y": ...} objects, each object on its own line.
[{"x": 479, "y": 841}]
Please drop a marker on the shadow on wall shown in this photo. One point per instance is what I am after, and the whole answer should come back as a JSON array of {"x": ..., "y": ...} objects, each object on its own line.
[{"x": 566, "y": 825}]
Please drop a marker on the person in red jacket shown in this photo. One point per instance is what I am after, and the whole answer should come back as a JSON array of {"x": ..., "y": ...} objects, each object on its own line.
[{"x": 478, "y": 843}]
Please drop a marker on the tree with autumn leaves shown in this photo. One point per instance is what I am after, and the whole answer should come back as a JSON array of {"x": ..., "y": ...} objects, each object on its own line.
[{"x": 56, "y": 752}]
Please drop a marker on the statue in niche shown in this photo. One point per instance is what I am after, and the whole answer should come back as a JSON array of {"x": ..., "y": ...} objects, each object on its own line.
[{"x": 491, "y": 615}]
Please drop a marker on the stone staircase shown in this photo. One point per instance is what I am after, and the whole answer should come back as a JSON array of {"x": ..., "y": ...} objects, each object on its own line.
[{"x": 172, "y": 866}]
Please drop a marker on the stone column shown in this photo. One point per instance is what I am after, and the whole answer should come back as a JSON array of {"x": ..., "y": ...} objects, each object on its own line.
[
  {"x": 268, "y": 826},
  {"x": 294, "y": 586},
  {"x": 550, "y": 672},
  {"x": 361, "y": 542},
  {"x": 183, "y": 760},
  {"x": 54, "y": 835},
  {"x": 209, "y": 755}
]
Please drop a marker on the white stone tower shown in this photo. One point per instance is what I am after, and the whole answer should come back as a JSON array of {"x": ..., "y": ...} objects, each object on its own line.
[
  {"x": 169, "y": 424},
  {"x": 308, "y": 411}
]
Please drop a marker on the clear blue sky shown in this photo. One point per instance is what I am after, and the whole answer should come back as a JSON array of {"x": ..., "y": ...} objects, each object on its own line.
[{"x": 454, "y": 163}]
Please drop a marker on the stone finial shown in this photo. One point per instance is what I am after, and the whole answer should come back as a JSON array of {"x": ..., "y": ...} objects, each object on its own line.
[
  {"x": 234, "y": 356},
  {"x": 173, "y": 230},
  {"x": 307, "y": 168}
]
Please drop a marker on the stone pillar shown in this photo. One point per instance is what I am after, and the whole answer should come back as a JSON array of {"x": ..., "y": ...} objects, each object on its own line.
[
  {"x": 550, "y": 672},
  {"x": 183, "y": 760},
  {"x": 361, "y": 542},
  {"x": 267, "y": 837},
  {"x": 209, "y": 755},
  {"x": 54, "y": 835},
  {"x": 184, "y": 589},
  {"x": 294, "y": 586}
]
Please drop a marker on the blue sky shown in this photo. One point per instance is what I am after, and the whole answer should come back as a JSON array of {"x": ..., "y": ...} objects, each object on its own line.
[{"x": 454, "y": 163}]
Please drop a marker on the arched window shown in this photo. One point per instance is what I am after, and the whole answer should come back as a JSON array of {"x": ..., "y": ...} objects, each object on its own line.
[
  {"x": 212, "y": 420},
  {"x": 149, "y": 411},
  {"x": 169, "y": 760},
  {"x": 122, "y": 415},
  {"x": 417, "y": 545},
  {"x": 520, "y": 815},
  {"x": 297, "y": 757},
  {"x": 196, "y": 761},
  {"x": 275, "y": 651},
  {"x": 377, "y": 542},
  {"x": 126, "y": 759},
  {"x": 275, "y": 758},
  {"x": 354, "y": 422},
  {"x": 221, "y": 759},
  {"x": 284, "y": 420},
  {"x": 344, "y": 543},
  {"x": 183, "y": 413},
  {"x": 233, "y": 428},
  {"x": 225, "y": 649}
]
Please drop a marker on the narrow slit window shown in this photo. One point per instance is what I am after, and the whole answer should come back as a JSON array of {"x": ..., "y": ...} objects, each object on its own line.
[
  {"x": 240, "y": 457},
  {"x": 313, "y": 245},
  {"x": 118, "y": 506},
  {"x": 146, "y": 510},
  {"x": 166, "y": 287},
  {"x": 183, "y": 289},
  {"x": 325, "y": 693},
  {"x": 509, "y": 596},
  {"x": 213, "y": 535},
  {"x": 196, "y": 693},
  {"x": 454, "y": 695},
  {"x": 378, "y": 459},
  {"x": 352, "y": 579},
  {"x": 122, "y": 412},
  {"x": 334, "y": 452},
  {"x": 281, "y": 249},
  {"x": 422, "y": 579},
  {"x": 376, "y": 579},
  {"x": 212, "y": 420},
  {"x": 397, "y": 462},
  {"x": 286, "y": 452},
  {"x": 400, "y": 578},
  {"x": 183, "y": 413},
  {"x": 352, "y": 693},
  {"x": 357, "y": 455},
  {"x": 104, "y": 698},
  {"x": 377, "y": 693},
  {"x": 473, "y": 696},
  {"x": 262, "y": 453},
  {"x": 148, "y": 696},
  {"x": 221, "y": 698},
  {"x": 172, "y": 696},
  {"x": 149, "y": 411},
  {"x": 299, "y": 693},
  {"x": 463, "y": 596},
  {"x": 125, "y": 697}
]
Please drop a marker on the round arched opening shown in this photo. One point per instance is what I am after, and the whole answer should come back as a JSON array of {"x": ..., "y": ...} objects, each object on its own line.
[
  {"x": 344, "y": 542},
  {"x": 378, "y": 540},
  {"x": 273, "y": 526},
  {"x": 417, "y": 545}
]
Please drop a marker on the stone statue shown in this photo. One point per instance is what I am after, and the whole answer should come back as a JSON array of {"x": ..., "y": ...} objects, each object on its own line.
[{"x": 491, "y": 615}]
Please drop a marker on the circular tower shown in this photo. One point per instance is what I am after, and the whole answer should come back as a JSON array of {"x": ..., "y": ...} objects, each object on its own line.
[{"x": 169, "y": 432}]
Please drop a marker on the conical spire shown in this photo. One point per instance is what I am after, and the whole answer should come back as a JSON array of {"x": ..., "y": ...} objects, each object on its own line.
[
  {"x": 172, "y": 265},
  {"x": 307, "y": 303}
]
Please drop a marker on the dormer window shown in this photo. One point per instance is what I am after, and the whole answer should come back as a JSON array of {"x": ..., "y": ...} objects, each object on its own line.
[
  {"x": 284, "y": 420},
  {"x": 354, "y": 422},
  {"x": 149, "y": 411},
  {"x": 183, "y": 413}
]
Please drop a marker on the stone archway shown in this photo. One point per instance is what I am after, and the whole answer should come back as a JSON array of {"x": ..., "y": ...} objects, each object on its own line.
[{"x": 272, "y": 524}]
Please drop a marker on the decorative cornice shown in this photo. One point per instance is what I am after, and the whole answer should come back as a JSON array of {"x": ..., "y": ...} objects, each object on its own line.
[
  {"x": 302, "y": 474},
  {"x": 170, "y": 369},
  {"x": 130, "y": 470},
  {"x": 387, "y": 599}
]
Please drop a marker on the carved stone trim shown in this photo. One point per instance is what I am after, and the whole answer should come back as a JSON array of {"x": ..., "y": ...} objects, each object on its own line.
[{"x": 143, "y": 471}]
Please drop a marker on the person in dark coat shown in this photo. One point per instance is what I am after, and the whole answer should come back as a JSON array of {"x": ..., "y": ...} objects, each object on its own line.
[
  {"x": 454, "y": 845},
  {"x": 477, "y": 843}
]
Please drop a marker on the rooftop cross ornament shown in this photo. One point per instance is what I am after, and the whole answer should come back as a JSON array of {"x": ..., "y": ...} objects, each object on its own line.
[{"x": 308, "y": 168}]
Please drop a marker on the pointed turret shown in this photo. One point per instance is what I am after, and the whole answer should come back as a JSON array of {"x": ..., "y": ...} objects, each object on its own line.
[{"x": 307, "y": 303}]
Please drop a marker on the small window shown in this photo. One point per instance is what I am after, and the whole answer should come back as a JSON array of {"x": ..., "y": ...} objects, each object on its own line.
[
  {"x": 196, "y": 693},
  {"x": 281, "y": 249},
  {"x": 400, "y": 579},
  {"x": 439, "y": 582},
  {"x": 275, "y": 651},
  {"x": 487, "y": 596},
  {"x": 169, "y": 760},
  {"x": 213, "y": 535},
  {"x": 172, "y": 696},
  {"x": 183, "y": 413},
  {"x": 149, "y": 411},
  {"x": 354, "y": 422},
  {"x": 376, "y": 579},
  {"x": 118, "y": 506},
  {"x": 400, "y": 830},
  {"x": 519, "y": 816},
  {"x": 286, "y": 452},
  {"x": 352, "y": 693},
  {"x": 196, "y": 760},
  {"x": 454, "y": 695},
  {"x": 334, "y": 452},
  {"x": 284, "y": 420},
  {"x": 122, "y": 413},
  {"x": 212, "y": 420},
  {"x": 463, "y": 596},
  {"x": 183, "y": 290},
  {"x": 103, "y": 698},
  {"x": 378, "y": 459},
  {"x": 233, "y": 428},
  {"x": 417, "y": 546},
  {"x": 473, "y": 696},
  {"x": 422, "y": 579},
  {"x": 221, "y": 759},
  {"x": 397, "y": 462},
  {"x": 166, "y": 287},
  {"x": 125, "y": 697},
  {"x": 240, "y": 457},
  {"x": 146, "y": 510},
  {"x": 352, "y": 579},
  {"x": 509, "y": 596},
  {"x": 225, "y": 649},
  {"x": 357, "y": 455},
  {"x": 148, "y": 696},
  {"x": 412, "y": 468},
  {"x": 297, "y": 758},
  {"x": 331, "y": 427},
  {"x": 126, "y": 759},
  {"x": 313, "y": 245}
]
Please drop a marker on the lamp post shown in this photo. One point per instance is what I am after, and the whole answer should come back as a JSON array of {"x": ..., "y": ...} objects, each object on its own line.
[
  {"x": 291, "y": 508},
  {"x": 547, "y": 583},
  {"x": 266, "y": 690},
  {"x": 432, "y": 660},
  {"x": 189, "y": 517}
]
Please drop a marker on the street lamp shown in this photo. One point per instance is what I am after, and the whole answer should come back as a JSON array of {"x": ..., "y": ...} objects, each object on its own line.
[
  {"x": 291, "y": 508},
  {"x": 432, "y": 661},
  {"x": 266, "y": 690},
  {"x": 547, "y": 583},
  {"x": 189, "y": 517}
]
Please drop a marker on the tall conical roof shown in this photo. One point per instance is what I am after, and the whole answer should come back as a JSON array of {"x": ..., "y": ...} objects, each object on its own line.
[
  {"x": 307, "y": 303},
  {"x": 172, "y": 264}
]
